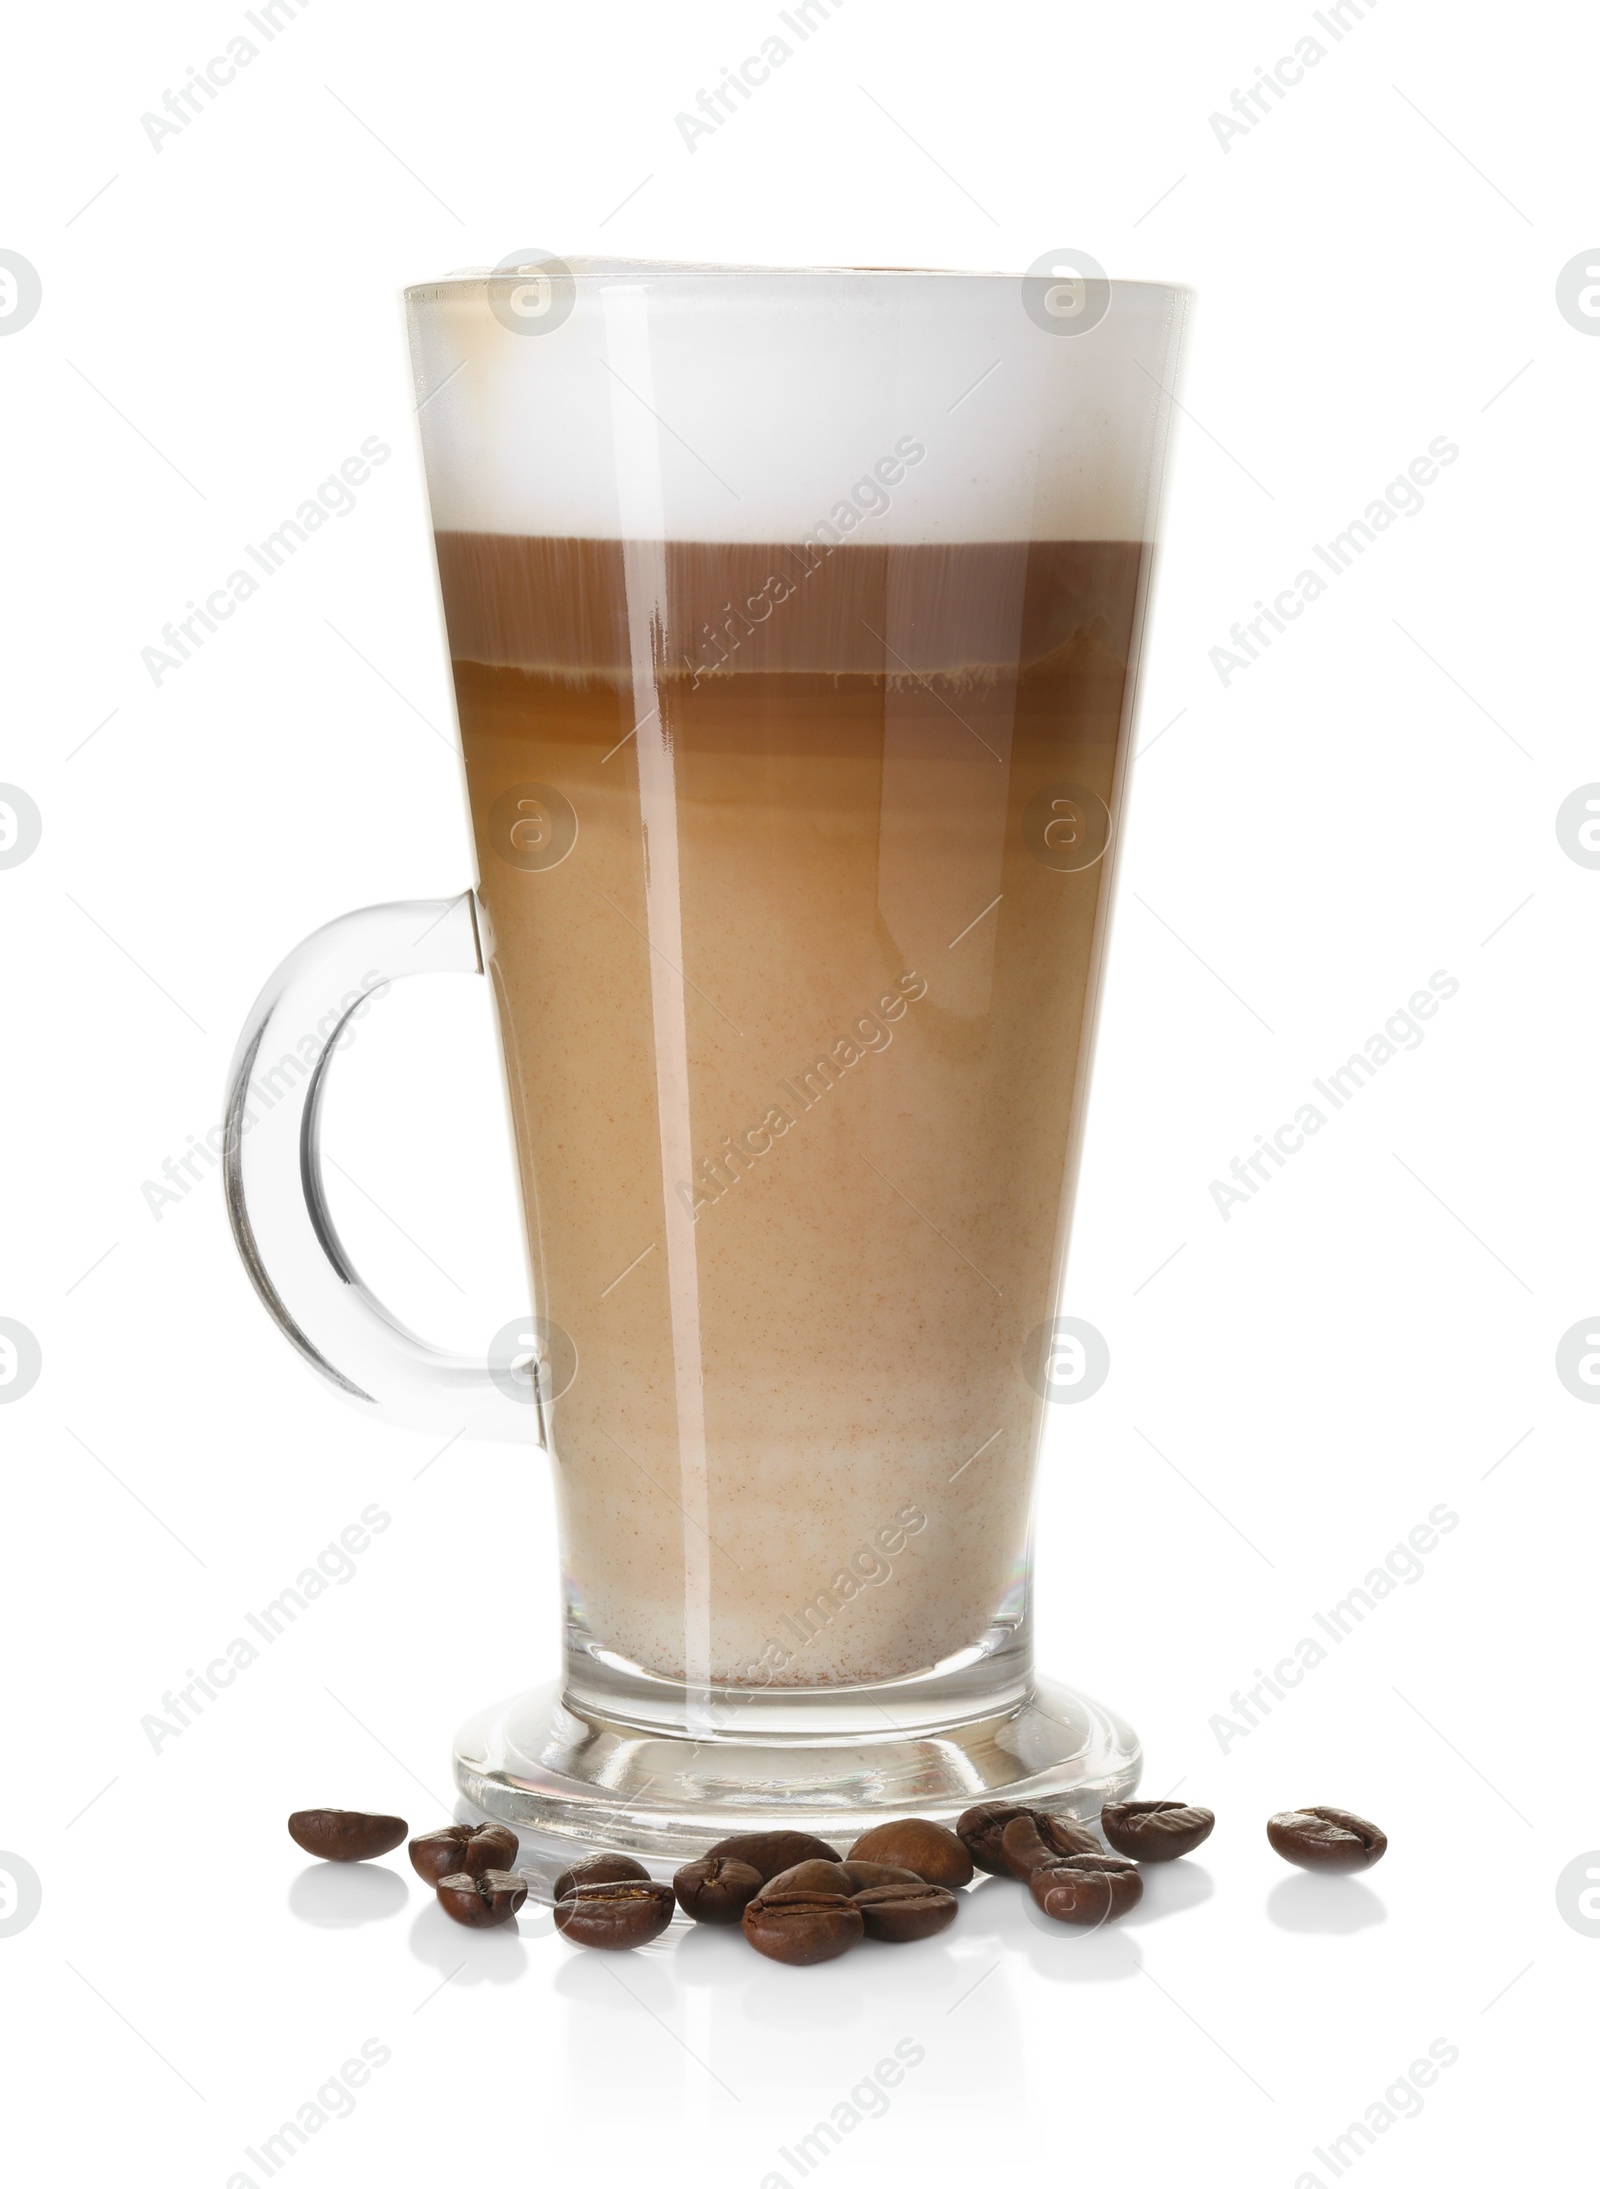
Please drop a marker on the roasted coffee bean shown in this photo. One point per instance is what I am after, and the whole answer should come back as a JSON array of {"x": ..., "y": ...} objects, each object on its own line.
[
  {"x": 913, "y": 1843},
  {"x": 899, "y": 1913},
  {"x": 801, "y": 1928},
  {"x": 716, "y": 1889},
  {"x": 629, "y": 1912},
  {"x": 1155, "y": 1831},
  {"x": 463, "y": 1849},
  {"x": 1087, "y": 1889},
  {"x": 979, "y": 1830},
  {"x": 813, "y": 1877},
  {"x": 862, "y": 1876},
  {"x": 597, "y": 1870},
  {"x": 1320, "y": 1838},
  {"x": 770, "y": 1852},
  {"x": 1037, "y": 1839},
  {"x": 481, "y": 1902},
  {"x": 345, "y": 1835},
  {"x": 840, "y": 1877}
]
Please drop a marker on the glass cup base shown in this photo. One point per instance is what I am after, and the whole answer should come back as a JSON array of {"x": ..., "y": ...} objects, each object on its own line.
[{"x": 573, "y": 1777}]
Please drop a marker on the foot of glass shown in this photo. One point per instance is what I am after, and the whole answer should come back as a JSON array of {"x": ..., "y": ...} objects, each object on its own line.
[{"x": 573, "y": 1778}]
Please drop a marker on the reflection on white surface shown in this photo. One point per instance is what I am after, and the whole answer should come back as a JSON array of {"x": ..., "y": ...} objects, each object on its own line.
[
  {"x": 707, "y": 1953},
  {"x": 727, "y": 2024},
  {"x": 1060, "y": 1951},
  {"x": 604, "y": 1984},
  {"x": 498, "y": 1956},
  {"x": 1337, "y": 1905},
  {"x": 1170, "y": 1888},
  {"x": 719, "y": 2005},
  {"x": 335, "y": 1895}
]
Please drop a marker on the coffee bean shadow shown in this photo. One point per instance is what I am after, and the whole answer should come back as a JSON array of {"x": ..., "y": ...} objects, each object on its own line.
[
  {"x": 335, "y": 1896},
  {"x": 1328, "y": 1906},
  {"x": 1063, "y": 1952},
  {"x": 602, "y": 1985},
  {"x": 1169, "y": 1888},
  {"x": 1066, "y": 1955},
  {"x": 710, "y": 1954},
  {"x": 497, "y": 1956}
]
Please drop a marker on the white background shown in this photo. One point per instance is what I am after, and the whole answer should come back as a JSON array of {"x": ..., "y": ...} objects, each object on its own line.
[{"x": 1371, "y": 1336}]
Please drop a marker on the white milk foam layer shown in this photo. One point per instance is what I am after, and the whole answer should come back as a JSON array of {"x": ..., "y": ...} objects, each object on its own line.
[{"x": 891, "y": 408}]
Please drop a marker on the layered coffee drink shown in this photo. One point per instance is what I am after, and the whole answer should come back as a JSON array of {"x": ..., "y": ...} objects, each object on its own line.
[
  {"x": 795, "y": 863},
  {"x": 794, "y": 616}
]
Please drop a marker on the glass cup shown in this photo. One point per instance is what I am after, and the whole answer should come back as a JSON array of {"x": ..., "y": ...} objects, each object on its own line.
[{"x": 794, "y": 620}]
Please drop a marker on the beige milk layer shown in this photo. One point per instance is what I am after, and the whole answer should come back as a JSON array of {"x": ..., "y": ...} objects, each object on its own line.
[{"x": 789, "y": 864}]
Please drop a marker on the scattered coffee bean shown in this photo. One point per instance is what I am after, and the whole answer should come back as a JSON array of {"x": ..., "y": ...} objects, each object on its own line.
[
  {"x": 481, "y": 1902},
  {"x": 913, "y": 1843},
  {"x": 814, "y": 1876},
  {"x": 840, "y": 1877},
  {"x": 1320, "y": 1838},
  {"x": 457, "y": 1850},
  {"x": 628, "y": 1912},
  {"x": 802, "y": 1928},
  {"x": 1155, "y": 1831},
  {"x": 1036, "y": 1839},
  {"x": 598, "y": 1870},
  {"x": 979, "y": 1830},
  {"x": 897, "y": 1914},
  {"x": 770, "y": 1852},
  {"x": 716, "y": 1889},
  {"x": 861, "y": 1876},
  {"x": 345, "y": 1835},
  {"x": 1087, "y": 1889}
]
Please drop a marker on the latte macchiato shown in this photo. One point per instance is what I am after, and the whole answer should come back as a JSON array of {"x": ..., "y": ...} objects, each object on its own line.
[
  {"x": 793, "y": 862},
  {"x": 794, "y": 618}
]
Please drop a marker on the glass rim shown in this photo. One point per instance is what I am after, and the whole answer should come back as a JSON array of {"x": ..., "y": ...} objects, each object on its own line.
[{"x": 585, "y": 269}]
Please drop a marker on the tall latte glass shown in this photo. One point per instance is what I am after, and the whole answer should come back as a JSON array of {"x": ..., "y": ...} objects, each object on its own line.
[{"x": 794, "y": 619}]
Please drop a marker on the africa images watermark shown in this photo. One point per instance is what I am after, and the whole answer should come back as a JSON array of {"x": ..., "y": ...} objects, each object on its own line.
[
  {"x": 180, "y": 107},
  {"x": 21, "y": 1893},
  {"x": 269, "y": 1084},
  {"x": 334, "y": 497},
  {"x": 869, "y": 1567},
  {"x": 739, "y": 85},
  {"x": 867, "y": 1036},
  {"x": 333, "y": 1568},
  {"x": 1402, "y": 497},
  {"x": 334, "y": 2100},
  {"x": 1400, "y": 1031},
  {"x": 1402, "y": 2101},
  {"x": 869, "y": 2100},
  {"x": 1270, "y": 88},
  {"x": 869, "y": 496},
  {"x": 1401, "y": 1567}
]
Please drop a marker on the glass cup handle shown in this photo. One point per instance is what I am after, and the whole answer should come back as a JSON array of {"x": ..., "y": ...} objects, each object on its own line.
[{"x": 272, "y": 1174}]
